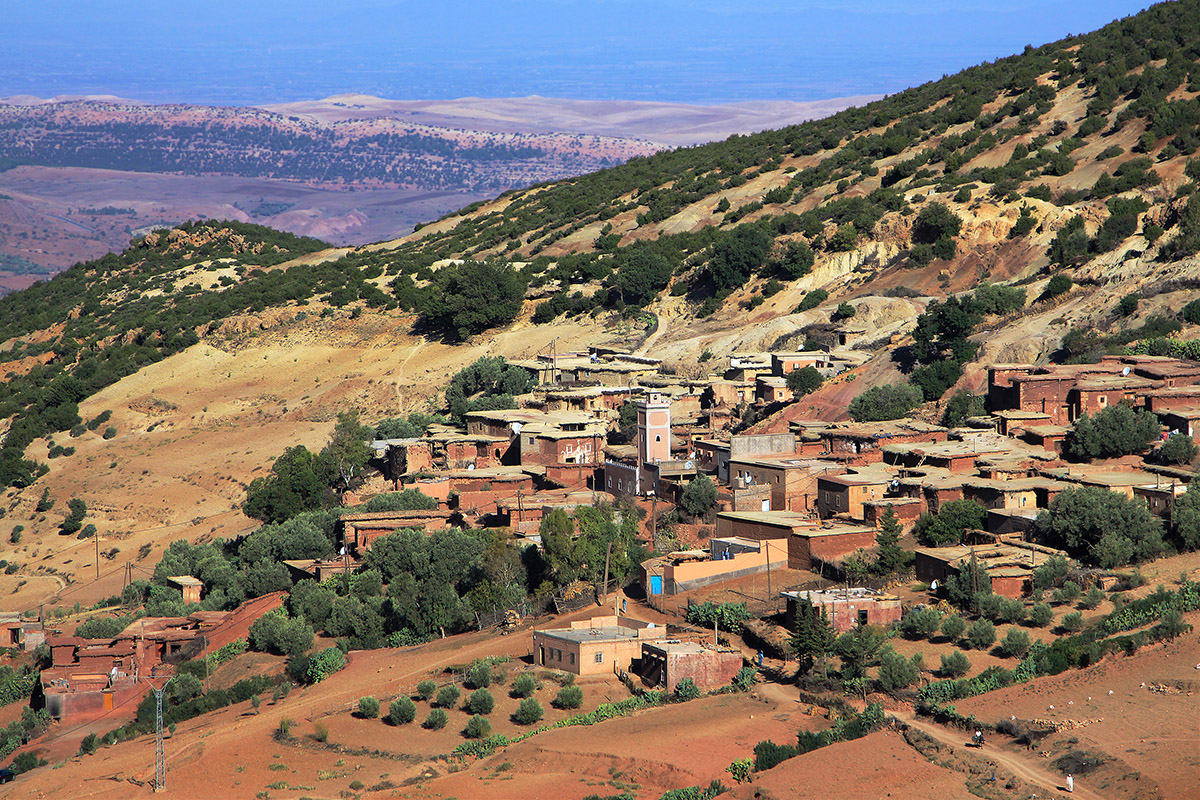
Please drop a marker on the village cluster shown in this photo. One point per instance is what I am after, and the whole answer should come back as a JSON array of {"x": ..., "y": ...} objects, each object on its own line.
[{"x": 803, "y": 499}]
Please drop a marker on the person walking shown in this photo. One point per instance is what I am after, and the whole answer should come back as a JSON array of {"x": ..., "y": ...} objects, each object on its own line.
[{"x": 1070, "y": 784}]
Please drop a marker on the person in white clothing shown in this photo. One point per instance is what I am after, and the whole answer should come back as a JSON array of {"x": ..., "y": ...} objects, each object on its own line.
[{"x": 1070, "y": 784}]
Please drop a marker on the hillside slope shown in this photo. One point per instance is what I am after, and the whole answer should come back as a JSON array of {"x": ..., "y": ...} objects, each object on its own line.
[{"x": 1075, "y": 158}]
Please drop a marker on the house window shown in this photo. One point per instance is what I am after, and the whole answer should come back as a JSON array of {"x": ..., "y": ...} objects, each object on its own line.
[
  {"x": 599, "y": 658},
  {"x": 572, "y": 659},
  {"x": 862, "y": 617}
]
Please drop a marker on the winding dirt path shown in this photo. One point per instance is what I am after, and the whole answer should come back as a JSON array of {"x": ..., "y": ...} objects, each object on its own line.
[{"x": 1023, "y": 767}]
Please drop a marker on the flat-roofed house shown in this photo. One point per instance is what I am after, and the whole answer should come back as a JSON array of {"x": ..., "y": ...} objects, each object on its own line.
[
  {"x": 844, "y": 608},
  {"x": 666, "y": 664},
  {"x": 1010, "y": 568},
  {"x": 792, "y": 480},
  {"x": 596, "y": 646},
  {"x": 845, "y": 495}
]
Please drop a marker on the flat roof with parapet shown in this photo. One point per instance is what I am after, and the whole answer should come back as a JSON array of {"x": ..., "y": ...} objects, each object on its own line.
[
  {"x": 1102, "y": 477},
  {"x": 1184, "y": 412},
  {"x": 590, "y": 391},
  {"x": 1105, "y": 382},
  {"x": 677, "y": 648},
  {"x": 800, "y": 354},
  {"x": 991, "y": 556},
  {"x": 1016, "y": 484},
  {"x": 806, "y": 525},
  {"x": 185, "y": 580},
  {"x": 960, "y": 449},
  {"x": 936, "y": 478},
  {"x": 551, "y": 431},
  {"x": 881, "y": 430},
  {"x": 1046, "y": 431},
  {"x": 495, "y": 473},
  {"x": 825, "y": 596},
  {"x": 789, "y": 519},
  {"x": 524, "y": 415},
  {"x": 607, "y": 633},
  {"x": 782, "y": 461},
  {"x": 865, "y": 477},
  {"x": 1018, "y": 414}
]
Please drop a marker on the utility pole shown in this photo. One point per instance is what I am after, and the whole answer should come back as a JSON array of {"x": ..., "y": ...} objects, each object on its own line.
[
  {"x": 160, "y": 753},
  {"x": 766, "y": 544},
  {"x": 607, "y": 553},
  {"x": 96, "y": 536},
  {"x": 653, "y": 521}
]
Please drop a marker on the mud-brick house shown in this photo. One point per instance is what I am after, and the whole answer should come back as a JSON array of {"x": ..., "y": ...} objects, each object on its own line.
[
  {"x": 863, "y": 442},
  {"x": 728, "y": 394},
  {"x": 1009, "y": 422},
  {"x": 845, "y": 495},
  {"x": 844, "y": 608},
  {"x": 1115, "y": 480},
  {"x": 792, "y": 480},
  {"x": 403, "y": 456},
  {"x": 360, "y": 530},
  {"x": 1016, "y": 493},
  {"x": 191, "y": 588},
  {"x": 563, "y": 439},
  {"x": 745, "y": 367},
  {"x": 783, "y": 364},
  {"x": 958, "y": 455},
  {"x": 906, "y": 509},
  {"x": 1180, "y": 418},
  {"x": 827, "y": 543},
  {"x": 479, "y": 492},
  {"x": 602, "y": 402},
  {"x": 16, "y": 631},
  {"x": 96, "y": 675},
  {"x": 597, "y": 646},
  {"x": 665, "y": 664},
  {"x": 1009, "y": 566}
]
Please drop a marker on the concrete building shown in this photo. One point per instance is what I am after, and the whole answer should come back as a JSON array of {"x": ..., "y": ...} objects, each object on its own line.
[
  {"x": 808, "y": 540},
  {"x": 725, "y": 560},
  {"x": 597, "y": 646}
]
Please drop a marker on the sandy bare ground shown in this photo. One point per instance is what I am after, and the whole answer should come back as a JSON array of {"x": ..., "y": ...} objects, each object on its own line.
[
  {"x": 196, "y": 428},
  {"x": 1148, "y": 734}
]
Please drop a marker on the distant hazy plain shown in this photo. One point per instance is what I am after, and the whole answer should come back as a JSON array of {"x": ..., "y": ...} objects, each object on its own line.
[{"x": 697, "y": 51}]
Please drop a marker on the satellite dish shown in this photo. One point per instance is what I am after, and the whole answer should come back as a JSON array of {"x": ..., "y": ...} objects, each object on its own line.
[
  {"x": 1125, "y": 372},
  {"x": 689, "y": 465}
]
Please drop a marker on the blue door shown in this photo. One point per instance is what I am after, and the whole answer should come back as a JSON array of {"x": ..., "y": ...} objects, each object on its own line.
[{"x": 656, "y": 584}]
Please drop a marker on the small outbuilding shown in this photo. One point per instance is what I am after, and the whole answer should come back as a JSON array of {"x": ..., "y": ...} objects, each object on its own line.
[
  {"x": 666, "y": 664},
  {"x": 191, "y": 587}
]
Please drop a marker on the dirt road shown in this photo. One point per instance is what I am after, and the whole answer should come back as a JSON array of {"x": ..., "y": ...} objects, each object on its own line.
[{"x": 1024, "y": 767}]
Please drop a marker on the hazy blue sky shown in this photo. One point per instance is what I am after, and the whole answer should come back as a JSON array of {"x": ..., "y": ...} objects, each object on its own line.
[{"x": 256, "y": 51}]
